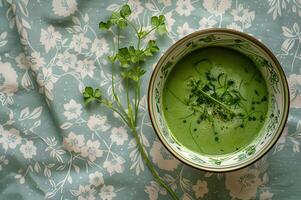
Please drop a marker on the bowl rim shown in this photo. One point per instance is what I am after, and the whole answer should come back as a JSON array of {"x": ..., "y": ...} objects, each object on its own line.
[{"x": 284, "y": 84}]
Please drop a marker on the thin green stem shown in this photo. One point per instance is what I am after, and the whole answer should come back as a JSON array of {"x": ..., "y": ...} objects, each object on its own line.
[
  {"x": 129, "y": 104},
  {"x": 114, "y": 109},
  {"x": 148, "y": 32},
  {"x": 132, "y": 25},
  {"x": 117, "y": 100},
  {"x": 130, "y": 117},
  {"x": 137, "y": 100},
  {"x": 138, "y": 43},
  {"x": 151, "y": 167}
]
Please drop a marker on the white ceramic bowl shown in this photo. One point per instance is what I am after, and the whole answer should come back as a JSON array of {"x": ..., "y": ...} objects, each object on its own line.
[{"x": 275, "y": 80}]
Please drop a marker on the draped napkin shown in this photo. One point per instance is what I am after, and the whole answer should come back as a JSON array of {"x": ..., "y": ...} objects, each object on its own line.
[{"x": 53, "y": 147}]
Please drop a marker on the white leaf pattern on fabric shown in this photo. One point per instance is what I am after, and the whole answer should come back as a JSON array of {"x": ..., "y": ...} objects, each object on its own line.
[{"x": 79, "y": 152}]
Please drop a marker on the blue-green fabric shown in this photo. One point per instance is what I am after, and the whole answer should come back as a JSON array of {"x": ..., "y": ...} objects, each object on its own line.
[{"x": 52, "y": 147}]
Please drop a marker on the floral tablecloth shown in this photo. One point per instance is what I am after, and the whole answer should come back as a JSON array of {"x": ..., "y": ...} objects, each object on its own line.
[{"x": 52, "y": 147}]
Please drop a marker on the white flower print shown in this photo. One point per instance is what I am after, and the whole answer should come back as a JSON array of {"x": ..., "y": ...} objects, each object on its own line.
[
  {"x": 79, "y": 42},
  {"x": 64, "y": 8},
  {"x": 98, "y": 123},
  {"x": 28, "y": 149},
  {"x": 234, "y": 26},
  {"x": 23, "y": 61},
  {"x": 86, "y": 67},
  {"x": 20, "y": 176},
  {"x": 74, "y": 142},
  {"x": 207, "y": 23},
  {"x": 294, "y": 82},
  {"x": 46, "y": 80},
  {"x": 100, "y": 47},
  {"x": 10, "y": 138},
  {"x": 184, "y": 30},
  {"x": 184, "y": 7},
  {"x": 3, "y": 161},
  {"x": 266, "y": 195},
  {"x": 8, "y": 79},
  {"x": 114, "y": 166},
  {"x": 243, "y": 183},
  {"x": 91, "y": 150},
  {"x": 119, "y": 135},
  {"x": 162, "y": 158},
  {"x": 243, "y": 15},
  {"x": 72, "y": 109},
  {"x": 136, "y": 8},
  {"x": 96, "y": 179},
  {"x": 153, "y": 190},
  {"x": 36, "y": 61},
  {"x": 66, "y": 61},
  {"x": 200, "y": 189},
  {"x": 107, "y": 192},
  {"x": 217, "y": 7},
  {"x": 49, "y": 37},
  {"x": 169, "y": 21},
  {"x": 165, "y": 2},
  {"x": 85, "y": 193}
]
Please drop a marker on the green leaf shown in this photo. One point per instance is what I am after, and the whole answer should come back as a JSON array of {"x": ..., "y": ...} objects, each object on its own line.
[
  {"x": 161, "y": 19},
  {"x": 161, "y": 30},
  {"x": 159, "y": 23},
  {"x": 125, "y": 11},
  {"x": 89, "y": 91},
  {"x": 155, "y": 21},
  {"x": 118, "y": 20},
  {"x": 97, "y": 93},
  {"x": 135, "y": 73},
  {"x": 90, "y": 95},
  {"x": 122, "y": 23},
  {"x": 151, "y": 48},
  {"x": 115, "y": 18},
  {"x": 105, "y": 25},
  {"x": 127, "y": 56},
  {"x": 123, "y": 56}
]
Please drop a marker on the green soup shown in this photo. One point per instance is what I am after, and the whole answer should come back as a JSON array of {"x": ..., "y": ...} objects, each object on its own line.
[{"x": 215, "y": 101}]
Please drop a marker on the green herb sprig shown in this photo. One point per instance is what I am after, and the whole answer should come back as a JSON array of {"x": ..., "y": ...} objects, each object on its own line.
[{"x": 130, "y": 60}]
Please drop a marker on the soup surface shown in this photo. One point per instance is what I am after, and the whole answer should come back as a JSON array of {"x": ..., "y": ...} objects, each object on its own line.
[{"x": 215, "y": 101}]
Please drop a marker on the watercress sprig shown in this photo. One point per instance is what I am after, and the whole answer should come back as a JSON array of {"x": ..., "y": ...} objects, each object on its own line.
[{"x": 130, "y": 61}]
